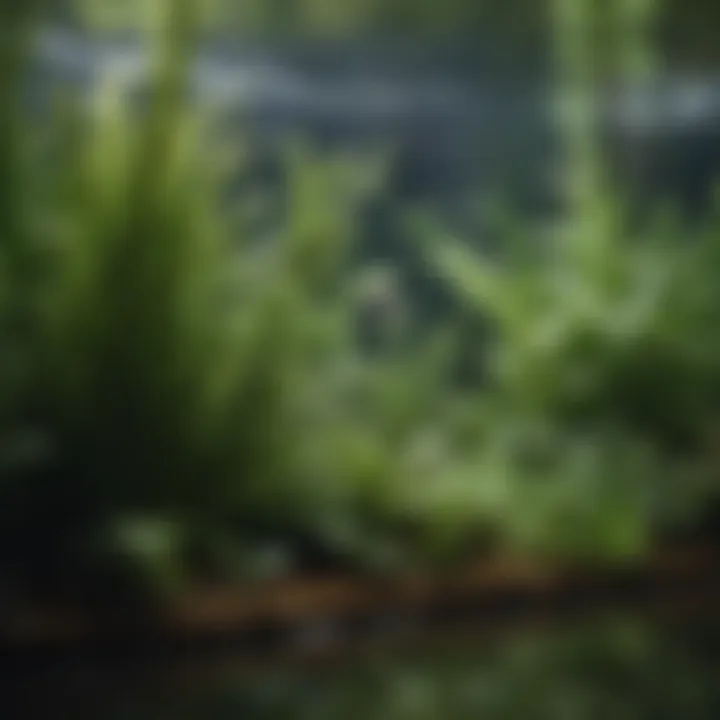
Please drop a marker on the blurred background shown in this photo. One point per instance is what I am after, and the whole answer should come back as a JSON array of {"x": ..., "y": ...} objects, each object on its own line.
[{"x": 379, "y": 290}]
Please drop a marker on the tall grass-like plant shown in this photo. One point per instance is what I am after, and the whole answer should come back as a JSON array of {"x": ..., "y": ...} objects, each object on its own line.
[
  {"x": 180, "y": 379},
  {"x": 193, "y": 389}
]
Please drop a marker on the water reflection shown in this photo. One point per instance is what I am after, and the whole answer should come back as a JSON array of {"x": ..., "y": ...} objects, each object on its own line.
[{"x": 618, "y": 668}]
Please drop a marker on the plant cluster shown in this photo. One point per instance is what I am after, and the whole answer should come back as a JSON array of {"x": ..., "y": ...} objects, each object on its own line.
[{"x": 180, "y": 398}]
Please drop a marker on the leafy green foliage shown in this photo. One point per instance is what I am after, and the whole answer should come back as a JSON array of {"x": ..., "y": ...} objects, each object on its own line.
[
  {"x": 179, "y": 397},
  {"x": 602, "y": 357}
]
